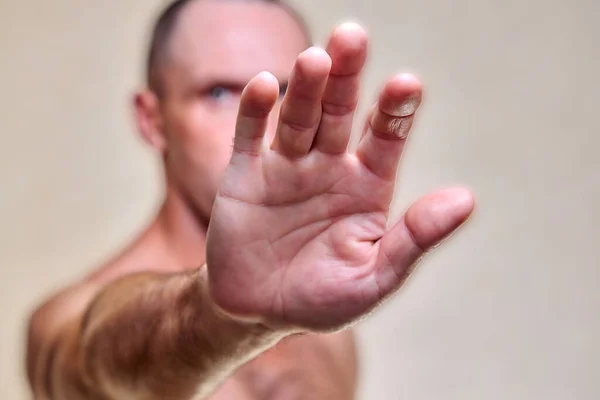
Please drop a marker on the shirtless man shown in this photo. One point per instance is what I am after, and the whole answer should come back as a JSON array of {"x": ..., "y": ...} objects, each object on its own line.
[{"x": 264, "y": 253}]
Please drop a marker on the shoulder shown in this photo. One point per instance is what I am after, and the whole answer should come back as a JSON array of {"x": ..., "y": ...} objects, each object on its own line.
[
  {"x": 49, "y": 318},
  {"x": 46, "y": 321},
  {"x": 74, "y": 299}
]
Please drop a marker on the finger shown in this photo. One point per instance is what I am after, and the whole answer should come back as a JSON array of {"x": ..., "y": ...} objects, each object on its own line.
[
  {"x": 257, "y": 101},
  {"x": 381, "y": 147},
  {"x": 426, "y": 223},
  {"x": 348, "y": 50},
  {"x": 301, "y": 107}
]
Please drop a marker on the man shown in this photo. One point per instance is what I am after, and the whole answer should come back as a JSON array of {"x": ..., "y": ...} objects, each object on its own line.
[{"x": 262, "y": 256}]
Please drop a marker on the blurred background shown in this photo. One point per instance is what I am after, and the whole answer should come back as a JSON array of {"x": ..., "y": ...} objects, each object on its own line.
[{"x": 510, "y": 308}]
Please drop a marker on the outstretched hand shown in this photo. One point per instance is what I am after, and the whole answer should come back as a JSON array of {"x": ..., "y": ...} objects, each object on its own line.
[{"x": 298, "y": 233}]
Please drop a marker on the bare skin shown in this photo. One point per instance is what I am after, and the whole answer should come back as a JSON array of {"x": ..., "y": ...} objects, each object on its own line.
[{"x": 290, "y": 228}]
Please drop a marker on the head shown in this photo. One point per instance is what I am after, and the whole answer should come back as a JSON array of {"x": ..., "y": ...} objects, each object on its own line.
[{"x": 202, "y": 54}]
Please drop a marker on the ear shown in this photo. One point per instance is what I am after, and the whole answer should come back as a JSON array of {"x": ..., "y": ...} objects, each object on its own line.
[{"x": 149, "y": 119}]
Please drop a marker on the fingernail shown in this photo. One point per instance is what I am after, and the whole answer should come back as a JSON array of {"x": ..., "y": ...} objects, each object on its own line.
[
  {"x": 408, "y": 106},
  {"x": 400, "y": 127}
]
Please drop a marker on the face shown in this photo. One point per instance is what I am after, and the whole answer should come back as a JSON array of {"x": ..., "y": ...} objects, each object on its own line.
[{"x": 216, "y": 49}]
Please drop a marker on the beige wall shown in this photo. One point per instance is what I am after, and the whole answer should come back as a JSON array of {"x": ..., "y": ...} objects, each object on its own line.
[{"x": 508, "y": 310}]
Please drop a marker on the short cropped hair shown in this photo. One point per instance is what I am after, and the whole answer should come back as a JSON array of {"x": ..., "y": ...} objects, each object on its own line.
[{"x": 163, "y": 30}]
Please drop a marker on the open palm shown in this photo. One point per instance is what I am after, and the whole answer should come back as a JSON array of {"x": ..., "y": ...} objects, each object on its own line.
[{"x": 298, "y": 234}]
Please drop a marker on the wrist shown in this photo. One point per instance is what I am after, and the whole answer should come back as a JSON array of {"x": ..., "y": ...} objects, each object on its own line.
[{"x": 261, "y": 329}]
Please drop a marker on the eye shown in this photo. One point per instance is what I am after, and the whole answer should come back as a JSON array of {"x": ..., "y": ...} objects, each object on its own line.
[
  {"x": 282, "y": 89},
  {"x": 220, "y": 93}
]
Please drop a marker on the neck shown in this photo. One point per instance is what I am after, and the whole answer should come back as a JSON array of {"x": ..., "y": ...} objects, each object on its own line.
[{"x": 181, "y": 234}]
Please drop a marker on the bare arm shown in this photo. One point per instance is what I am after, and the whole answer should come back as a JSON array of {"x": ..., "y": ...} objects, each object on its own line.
[
  {"x": 161, "y": 336},
  {"x": 149, "y": 336}
]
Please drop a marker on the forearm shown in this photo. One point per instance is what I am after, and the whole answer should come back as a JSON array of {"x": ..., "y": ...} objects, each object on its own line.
[{"x": 155, "y": 337}]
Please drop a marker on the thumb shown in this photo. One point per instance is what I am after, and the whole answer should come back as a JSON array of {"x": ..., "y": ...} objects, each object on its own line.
[{"x": 426, "y": 223}]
